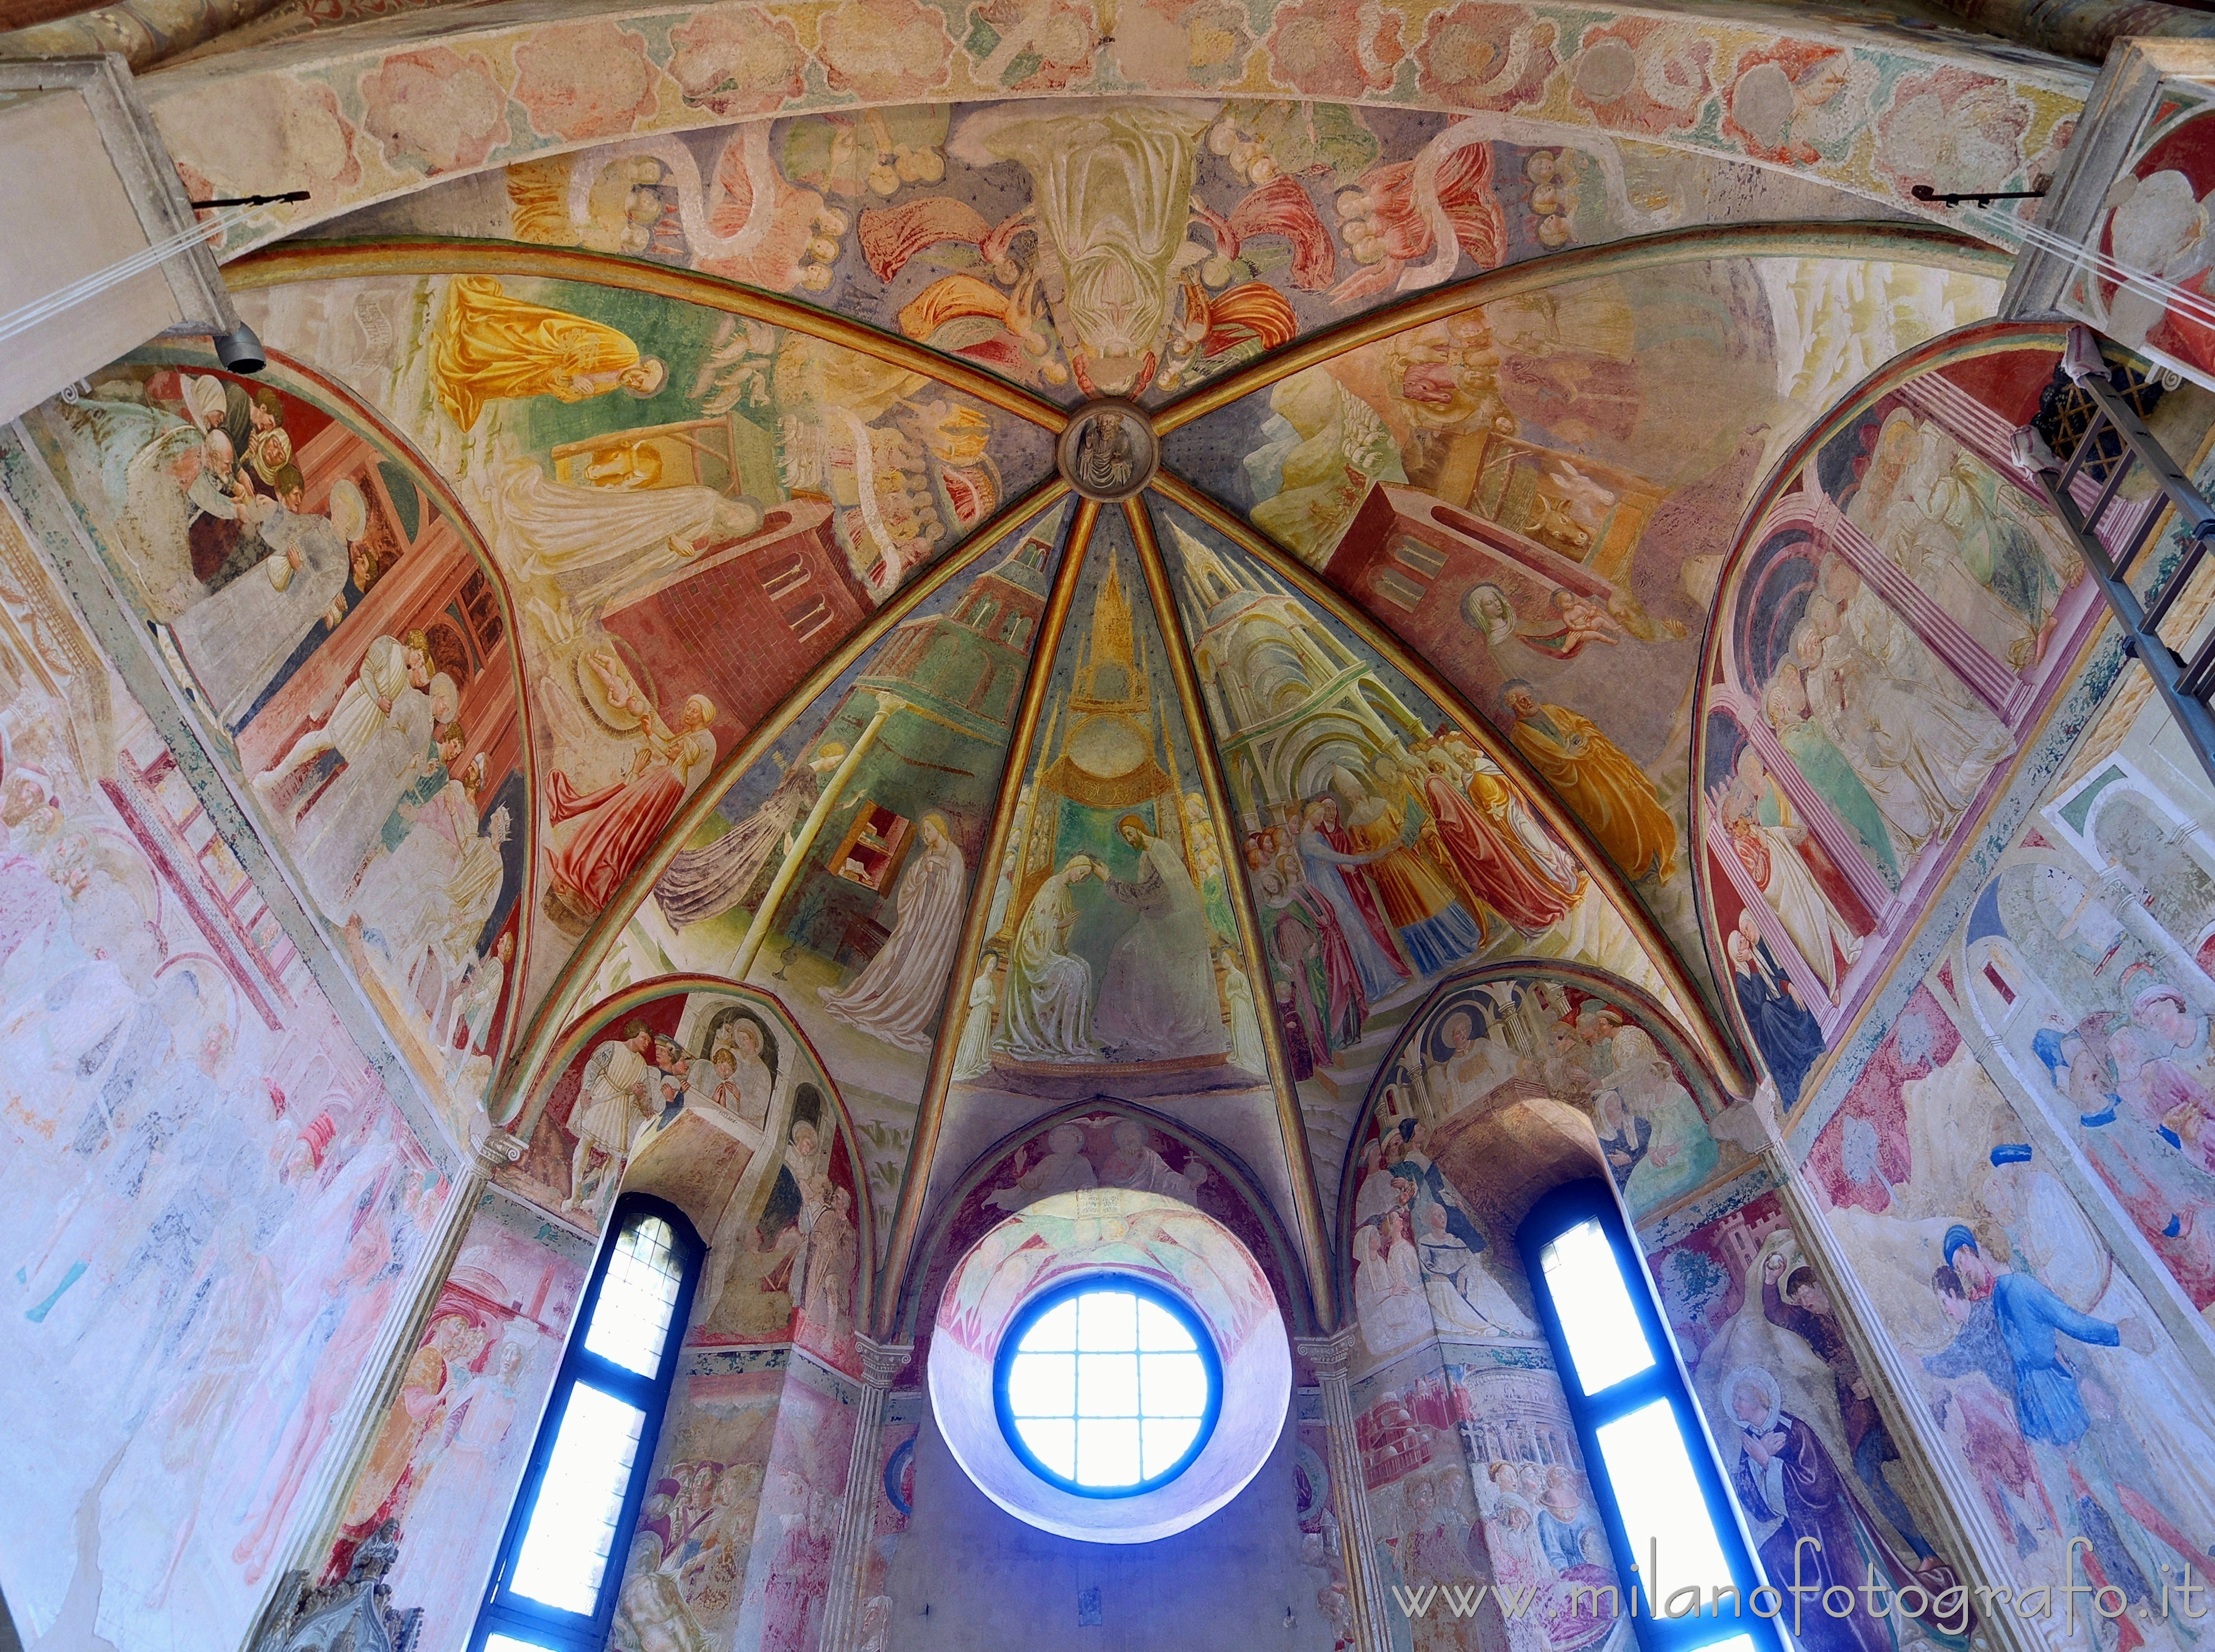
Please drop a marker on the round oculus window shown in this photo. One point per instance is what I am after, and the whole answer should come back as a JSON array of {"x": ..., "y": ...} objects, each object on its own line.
[{"x": 1107, "y": 1386}]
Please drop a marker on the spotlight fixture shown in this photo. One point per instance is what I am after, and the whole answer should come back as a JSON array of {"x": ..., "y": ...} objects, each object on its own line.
[{"x": 240, "y": 351}]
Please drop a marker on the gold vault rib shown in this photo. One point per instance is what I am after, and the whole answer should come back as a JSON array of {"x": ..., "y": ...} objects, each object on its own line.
[
  {"x": 1307, "y": 1199},
  {"x": 528, "y": 1067},
  {"x": 930, "y": 1107}
]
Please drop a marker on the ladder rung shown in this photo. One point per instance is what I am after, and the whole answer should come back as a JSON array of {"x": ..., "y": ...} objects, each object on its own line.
[
  {"x": 2084, "y": 450},
  {"x": 2174, "y": 587},
  {"x": 2193, "y": 682},
  {"x": 2140, "y": 539},
  {"x": 2106, "y": 494}
]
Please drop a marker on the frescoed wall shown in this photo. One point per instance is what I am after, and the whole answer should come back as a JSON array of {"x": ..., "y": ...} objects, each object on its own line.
[
  {"x": 454, "y": 1442},
  {"x": 1902, "y": 614},
  {"x": 957, "y": 229},
  {"x": 1384, "y": 848},
  {"x": 837, "y": 872},
  {"x": 1497, "y": 1064},
  {"x": 210, "y": 1205},
  {"x": 1473, "y": 1468},
  {"x": 1534, "y": 494},
  {"x": 692, "y": 509},
  {"x": 349, "y": 654},
  {"x": 1102, "y": 1144},
  {"x": 1770, "y": 1353},
  {"x": 1587, "y": 628},
  {"x": 712, "y": 1100}
]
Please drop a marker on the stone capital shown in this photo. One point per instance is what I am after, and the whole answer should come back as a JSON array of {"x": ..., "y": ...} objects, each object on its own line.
[
  {"x": 1332, "y": 1355},
  {"x": 881, "y": 1362}
]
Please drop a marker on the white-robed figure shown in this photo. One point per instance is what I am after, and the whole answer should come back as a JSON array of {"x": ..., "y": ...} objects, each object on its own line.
[
  {"x": 617, "y": 1093},
  {"x": 973, "y": 1054},
  {"x": 1049, "y": 1005},
  {"x": 1461, "y": 1289},
  {"x": 898, "y": 996},
  {"x": 238, "y": 639},
  {"x": 1392, "y": 1311},
  {"x": 1770, "y": 851},
  {"x": 594, "y": 543},
  {"x": 429, "y": 888},
  {"x": 1157, "y": 996},
  {"x": 380, "y": 726},
  {"x": 1248, "y": 1052}
]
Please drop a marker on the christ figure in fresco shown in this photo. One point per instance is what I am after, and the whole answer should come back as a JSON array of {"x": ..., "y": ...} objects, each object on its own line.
[{"x": 1157, "y": 997}]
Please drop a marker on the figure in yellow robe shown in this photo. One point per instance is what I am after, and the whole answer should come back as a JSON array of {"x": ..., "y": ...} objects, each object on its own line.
[
  {"x": 1597, "y": 780},
  {"x": 490, "y": 347}
]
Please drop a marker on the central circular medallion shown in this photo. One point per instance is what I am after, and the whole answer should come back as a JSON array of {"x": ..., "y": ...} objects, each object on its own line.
[{"x": 1108, "y": 452}]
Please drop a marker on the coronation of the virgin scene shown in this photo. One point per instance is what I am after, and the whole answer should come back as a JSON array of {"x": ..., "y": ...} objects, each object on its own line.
[{"x": 874, "y": 825}]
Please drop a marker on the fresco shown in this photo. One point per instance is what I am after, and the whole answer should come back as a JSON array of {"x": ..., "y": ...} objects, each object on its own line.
[
  {"x": 1099, "y": 1144},
  {"x": 1425, "y": 1260},
  {"x": 837, "y": 872},
  {"x": 454, "y": 1442},
  {"x": 2083, "y": 978},
  {"x": 712, "y": 1100},
  {"x": 691, "y": 508},
  {"x": 1965, "y": 1236},
  {"x": 1864, "y": 103},
  {"x": 1111, "y": 937},
  {"x": 209, "y": 1203},
  {"x": 984, "y": 229},
  {"x": 736, "y": 1532},
  {"x": 1473, "y": 1470},
  {"x": 1384, "y": 848},
  {"x": 1754, "y": 1317},
  {"x": 349, "y": 654},
  {"x": 1318, "y": 1500},
  {"x": 2152, "y": 219},
  {"x": 1904, "y": 613},
  {"x": 1537, "y": 494}
]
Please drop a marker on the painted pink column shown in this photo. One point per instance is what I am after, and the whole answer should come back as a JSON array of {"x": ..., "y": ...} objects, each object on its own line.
[
  {"x": 1812, "y": 991},
  {"x": 1837, "y": 841},
  {"x": 1991, "y": 681}
]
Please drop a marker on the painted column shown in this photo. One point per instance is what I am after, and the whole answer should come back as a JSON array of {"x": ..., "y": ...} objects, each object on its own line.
[
  {"x": 2126, "y": 898},
  {"x": 1943, "y": 1491},
  {"x": 1837, "y": 840},
  {"x": 781, "y": 886},
  {"x": 881, "y": 1362},
  {"x": 1331, "y": 1356},
  {"x": 2000, "y": 689}
]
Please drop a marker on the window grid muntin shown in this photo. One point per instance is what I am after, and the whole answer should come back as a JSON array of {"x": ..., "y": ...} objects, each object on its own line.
[
  {"x": 508, "y": 1620},
  {"x": 1662, "y": 1380},
  {"x": 1039, "y": 1446},
  {"x": 630, "y": 1320}
]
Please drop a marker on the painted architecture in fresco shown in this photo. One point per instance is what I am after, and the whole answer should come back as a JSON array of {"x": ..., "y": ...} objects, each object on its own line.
[{"x": 633, "y": 699}]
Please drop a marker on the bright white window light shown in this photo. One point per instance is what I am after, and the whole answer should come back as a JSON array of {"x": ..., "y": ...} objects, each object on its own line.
[
  {"x": 1661, "y": 1501},
  {"x": 1606, "y": 1343},
  {"x": 1108, "y": 1391},
  {"x": 630, "y": 1322},
  {"x": 572, "y": 1529}
]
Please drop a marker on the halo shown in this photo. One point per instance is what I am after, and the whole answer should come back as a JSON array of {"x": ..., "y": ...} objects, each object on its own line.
[{"x": 349, "y": 511}]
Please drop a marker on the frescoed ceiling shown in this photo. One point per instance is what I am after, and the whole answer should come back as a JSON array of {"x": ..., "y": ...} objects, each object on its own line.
[{"x": 714, "y": 588}]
